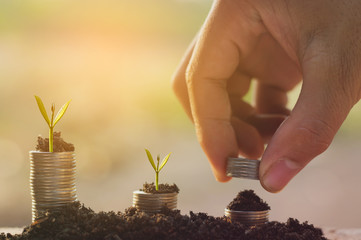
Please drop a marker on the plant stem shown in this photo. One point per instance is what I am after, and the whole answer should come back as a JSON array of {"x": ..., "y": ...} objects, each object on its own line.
[
  {"x": 156, "y": 180},
  {"x": 157, "y": 174},
  {"x": 51, "y": 137}
]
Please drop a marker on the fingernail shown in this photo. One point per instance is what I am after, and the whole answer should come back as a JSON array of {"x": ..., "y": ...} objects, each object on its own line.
[
  {"x": 279, "y": 174},
  {"x": 222, "y": 178}
]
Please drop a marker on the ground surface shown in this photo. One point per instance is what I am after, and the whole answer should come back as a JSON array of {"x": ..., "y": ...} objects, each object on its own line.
[
  {"x": 76, "y": 222},
  {"x": 332, "y": 234}
]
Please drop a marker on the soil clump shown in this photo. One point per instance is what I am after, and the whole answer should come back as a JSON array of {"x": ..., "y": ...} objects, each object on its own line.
[
  {"x": 59, "y": 144},
  {"x": 291, "y": 230},
  {"x": 247, "y": 200},
  {"x": 163, "y": 188},
  {"x": 76, "y": 222}
]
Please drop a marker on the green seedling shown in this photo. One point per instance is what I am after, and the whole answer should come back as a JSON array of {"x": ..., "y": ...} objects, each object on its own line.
[
  {"x": 157, "y": 168},
  {"x": 52, "y": 121}
]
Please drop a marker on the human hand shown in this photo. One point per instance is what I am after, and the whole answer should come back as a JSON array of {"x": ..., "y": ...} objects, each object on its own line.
[{"x": 279, "y": 43}]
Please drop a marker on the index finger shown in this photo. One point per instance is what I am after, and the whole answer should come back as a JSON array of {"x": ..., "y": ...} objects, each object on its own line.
[{"x": 215, "y": 59}]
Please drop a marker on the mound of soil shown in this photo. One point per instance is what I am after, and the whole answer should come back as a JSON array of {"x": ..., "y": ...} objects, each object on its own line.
[
  {"x": 291, "y": 230},
  {"x": 163, "y": 188},
  {"x": 247, "y": 200},
  {"x": 76, "y": 222},
  {"x": 59, "y": 145}
]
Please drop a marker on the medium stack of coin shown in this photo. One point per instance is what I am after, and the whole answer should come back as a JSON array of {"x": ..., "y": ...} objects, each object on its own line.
[
  {"x": 52, "y": 181},
  {"x": 243, "y": 168},
  {"x": 249, "y": 218},
  {"x": 154, "y": 202}
]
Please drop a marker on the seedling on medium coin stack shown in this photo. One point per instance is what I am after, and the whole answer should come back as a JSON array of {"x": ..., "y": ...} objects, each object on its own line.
[
  {"x": 153, "y": 197},
  {"x": 157, "y": 168}
]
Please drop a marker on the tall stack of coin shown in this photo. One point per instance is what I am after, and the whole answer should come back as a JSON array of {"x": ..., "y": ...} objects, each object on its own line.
[
  {"x": 243, "y": 168},
  {"x": 249, "y": 218},
  {"x": 154, "y": 202},
  {"x": 52, "y": 181}
]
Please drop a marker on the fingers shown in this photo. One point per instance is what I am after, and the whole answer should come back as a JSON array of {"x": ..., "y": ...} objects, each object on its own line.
[
  {"x": 214, "y": 61},
  {"x": 271, "y": 99},
  {"x": 237, "y": 86},
  {"x": 318, "y": 114},
  {"x": 266, "y": 124},
  {"x": 250, "y": 146}
]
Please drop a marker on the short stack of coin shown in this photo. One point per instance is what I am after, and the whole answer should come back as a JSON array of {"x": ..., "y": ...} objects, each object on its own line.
[
  {"x": 243, "y": 168},
  {"x": 154, "y": 202},
  {"x": 249, "y": 218},
  {"x": 52, "y": 181}
]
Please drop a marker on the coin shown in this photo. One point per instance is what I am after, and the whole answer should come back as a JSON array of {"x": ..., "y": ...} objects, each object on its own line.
[
  {"x": 243, "y": 168},
  {"x": 52, "y": 181},
  {"x": 153, "y": 203},
  {"x": 249, "y": 218}
]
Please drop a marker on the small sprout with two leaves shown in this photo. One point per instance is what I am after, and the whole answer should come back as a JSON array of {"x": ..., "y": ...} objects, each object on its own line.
[
  {"x": 157, "y": 168},
  {"x": 52, "y": 121}
]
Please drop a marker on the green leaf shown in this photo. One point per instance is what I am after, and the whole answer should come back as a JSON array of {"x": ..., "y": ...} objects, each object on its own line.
[
  {"x": 165, "y": 160},
  {"x": 42, "y": 109},
  {"x": 61, "y": 112},
  {"x": 150, "y": 158}
]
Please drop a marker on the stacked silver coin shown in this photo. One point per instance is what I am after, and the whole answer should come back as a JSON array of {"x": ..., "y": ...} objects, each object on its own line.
[
  {"x": 154, "y": 202},
  {"x": 52, "y": 181},
  {"x": 243, "y": 168},
  {"x": 249, "y": 218}
]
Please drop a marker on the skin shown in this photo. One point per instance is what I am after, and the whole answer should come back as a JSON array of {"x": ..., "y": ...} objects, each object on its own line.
[{"x": 277, "y": 44}]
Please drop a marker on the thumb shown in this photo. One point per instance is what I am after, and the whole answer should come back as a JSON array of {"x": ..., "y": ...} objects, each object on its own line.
[{"x": 322, "y": 106}]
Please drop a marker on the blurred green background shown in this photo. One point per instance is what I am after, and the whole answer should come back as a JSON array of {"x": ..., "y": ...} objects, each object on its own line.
[{"x": 115, "y": 60}]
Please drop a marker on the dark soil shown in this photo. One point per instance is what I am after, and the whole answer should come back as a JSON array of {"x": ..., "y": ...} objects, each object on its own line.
[
  {"x": 59, "y": 145},
  {"x": 247, "y": 200},
  {"x": 291, "y": 230},
  {"x": 163, "y": 188},
  {"x": 76, "y": 222}
]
